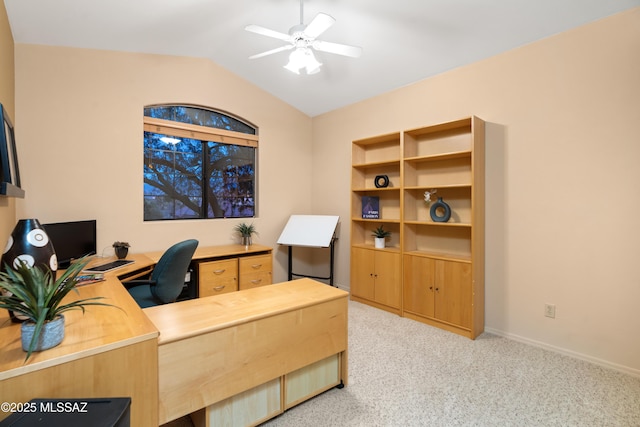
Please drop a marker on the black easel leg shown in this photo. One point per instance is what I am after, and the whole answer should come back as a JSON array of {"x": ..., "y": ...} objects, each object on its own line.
[
  {"x": 331, "y": 263},
  {"x": 290, "y": 263}
]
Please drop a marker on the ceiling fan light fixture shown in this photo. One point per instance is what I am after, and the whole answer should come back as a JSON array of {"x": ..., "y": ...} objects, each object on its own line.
[
  {"x": 301, "y": 58},
  {"x": 312, "y": 64}
]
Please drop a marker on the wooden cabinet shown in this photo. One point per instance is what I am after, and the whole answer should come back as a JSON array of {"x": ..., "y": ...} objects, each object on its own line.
[
  {"x": 229, "y": 268},
  {"x": 217, "y": 277},
  {"x": 447, "y": 158},
  {"x": 248, "y": 408},
  {"x": 255, "y": 271},
  {"x": 311, "y": 380},
  {"x": 261, "y": 403},
  {"x": 376, "y": 277},
  {"x": 438, "y": 290}
]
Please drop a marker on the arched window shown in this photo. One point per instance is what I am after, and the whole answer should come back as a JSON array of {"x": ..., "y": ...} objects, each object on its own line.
[{"x": 198, "y": 163}]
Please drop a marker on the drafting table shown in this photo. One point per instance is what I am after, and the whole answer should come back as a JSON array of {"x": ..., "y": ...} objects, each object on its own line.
[{"x": 314, "y": 231}]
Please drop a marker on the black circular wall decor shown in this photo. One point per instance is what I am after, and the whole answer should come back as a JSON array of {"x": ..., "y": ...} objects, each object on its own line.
[
  {"x": 382, "y": 181},
  {"x": 442, "y": 206}
]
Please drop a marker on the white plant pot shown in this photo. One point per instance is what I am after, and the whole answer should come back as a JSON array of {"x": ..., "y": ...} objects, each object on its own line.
[{"x": 380, "y": 242}]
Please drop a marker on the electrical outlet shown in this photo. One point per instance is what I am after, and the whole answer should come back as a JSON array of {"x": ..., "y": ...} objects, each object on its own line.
[{"x": 550, "y": 310}]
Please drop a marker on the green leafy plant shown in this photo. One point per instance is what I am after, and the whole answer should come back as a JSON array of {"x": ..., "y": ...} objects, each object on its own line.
[
  {"x": 35, "y": 293},
  {"x": 381, "y": 233},
  {"x": 245, "y": 230}
]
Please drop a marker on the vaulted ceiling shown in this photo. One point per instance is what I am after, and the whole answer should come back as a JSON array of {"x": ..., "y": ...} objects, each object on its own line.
[{"x": 403, "y": 41}]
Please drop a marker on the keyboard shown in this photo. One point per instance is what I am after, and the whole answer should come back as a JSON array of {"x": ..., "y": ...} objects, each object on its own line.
[{"x": 109, "y": 266}]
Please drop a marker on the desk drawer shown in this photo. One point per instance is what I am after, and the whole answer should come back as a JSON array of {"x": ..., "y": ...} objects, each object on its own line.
[
  {"x": 217, "y": 277},
  {"x": 253, "y": 280},
  {"x": 255, "y": 271}
]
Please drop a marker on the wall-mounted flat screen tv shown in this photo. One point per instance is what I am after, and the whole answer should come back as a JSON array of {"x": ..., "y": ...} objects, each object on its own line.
[
  {"x": 9, "y": 171},
  {"x": 72, "y": 240}
]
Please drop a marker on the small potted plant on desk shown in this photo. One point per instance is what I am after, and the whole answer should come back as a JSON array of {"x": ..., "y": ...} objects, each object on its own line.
[
  {"x": 34, "y": 293},
  {"x": 380, "y": 235},
  {"x": 246, "y": 231},
  {"x": 121, "y": 249}
]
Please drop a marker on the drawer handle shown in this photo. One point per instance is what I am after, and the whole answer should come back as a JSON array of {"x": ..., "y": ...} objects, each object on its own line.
[
  {"x": 256, "y": 281},
  {"x": 219, "y": 288},
  {"x": 219, "y": 272},
  {"x": 256, "y": 266}
]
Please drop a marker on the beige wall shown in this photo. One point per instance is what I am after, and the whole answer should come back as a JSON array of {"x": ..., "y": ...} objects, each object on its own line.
[
  {"x": 562, "y": 181},
  {"x": 561, "y": 167},
  {"x": 80, "y": 114},
  {"x": 7, "y": 204}
]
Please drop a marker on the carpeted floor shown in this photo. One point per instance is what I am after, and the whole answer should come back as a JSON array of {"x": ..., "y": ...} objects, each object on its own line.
[{"x": 405, "y": 373}]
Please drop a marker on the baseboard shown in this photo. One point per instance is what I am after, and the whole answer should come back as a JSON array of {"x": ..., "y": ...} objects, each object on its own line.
[{"x": 600, "y": 362}]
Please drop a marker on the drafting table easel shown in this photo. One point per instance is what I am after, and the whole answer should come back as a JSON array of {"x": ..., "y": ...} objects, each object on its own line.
[{"x": 314, "y": 231}]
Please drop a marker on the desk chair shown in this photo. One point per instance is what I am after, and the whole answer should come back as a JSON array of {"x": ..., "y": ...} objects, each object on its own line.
[{"x": 167, "y": 278}]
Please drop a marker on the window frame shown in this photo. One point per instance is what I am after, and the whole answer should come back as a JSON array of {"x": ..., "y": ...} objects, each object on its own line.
[{"x": 205, "y": 134}]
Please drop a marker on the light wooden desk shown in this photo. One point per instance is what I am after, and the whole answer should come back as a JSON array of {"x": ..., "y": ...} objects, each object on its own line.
[
  {"x": 221, "y": 251},
  {"x": 289, "y": 339},
  {"x": 267, "y": 349},
  {"x": 106, "y": 352}
]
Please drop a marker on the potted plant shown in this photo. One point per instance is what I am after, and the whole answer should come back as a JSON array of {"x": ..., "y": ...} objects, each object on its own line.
[
  {"x": 34, "y": 293},
  {"x": 121, "y": 249},
  {"x": 380, "y": 235},
  {"x": 246, "y": 231}
]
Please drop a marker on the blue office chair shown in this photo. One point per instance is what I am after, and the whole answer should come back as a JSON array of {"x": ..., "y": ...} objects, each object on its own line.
[{"x": 167, "y": 278}]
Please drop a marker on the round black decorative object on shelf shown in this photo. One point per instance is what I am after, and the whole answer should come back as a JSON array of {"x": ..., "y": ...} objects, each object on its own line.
[
  {"x": 382, "y": 181},
  {"x": 444, "y": 207},
  {"x": 29, "y": 243}
]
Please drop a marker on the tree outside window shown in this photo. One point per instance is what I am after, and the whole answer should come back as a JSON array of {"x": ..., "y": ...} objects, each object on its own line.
[{"x": 211, "y": 175}]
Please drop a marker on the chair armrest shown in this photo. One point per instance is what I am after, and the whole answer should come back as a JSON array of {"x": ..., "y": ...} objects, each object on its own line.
[{"x": 138, "y": 282}]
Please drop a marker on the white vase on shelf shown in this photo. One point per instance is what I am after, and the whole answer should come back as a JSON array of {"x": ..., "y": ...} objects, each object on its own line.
[{"x": 380, "y": 242}]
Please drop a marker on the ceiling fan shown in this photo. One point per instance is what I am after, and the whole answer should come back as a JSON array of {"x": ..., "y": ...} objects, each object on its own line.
[{"x": 303, "y": 38}]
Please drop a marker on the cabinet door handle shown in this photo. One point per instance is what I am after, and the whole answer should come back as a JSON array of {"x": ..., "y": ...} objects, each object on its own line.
[
  {"x": 256, "y": 266},
  {"x": 219, "y": 288},
  {"x": 256, "y": 281},
  {"x": 219, "y": 272}
]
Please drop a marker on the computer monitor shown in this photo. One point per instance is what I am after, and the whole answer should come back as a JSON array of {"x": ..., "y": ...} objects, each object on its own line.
[{"x": 72, "y": 240}]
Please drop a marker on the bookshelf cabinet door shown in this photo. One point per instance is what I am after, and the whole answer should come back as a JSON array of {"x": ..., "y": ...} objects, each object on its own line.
[
  {"x": 453, "y": 292},
  {"x": 387, "y": 278},
  {"x": 419, "y": 285},
  {"x": 362, "y": 269}
]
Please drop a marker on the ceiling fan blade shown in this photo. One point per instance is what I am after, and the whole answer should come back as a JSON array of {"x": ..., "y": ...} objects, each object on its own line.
[
  {"x": 267, "y": 32},
  {"x": 321, "y": 23},
  {"x": 272, "y": 51},
  {"x": 339, "y": 49}
]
